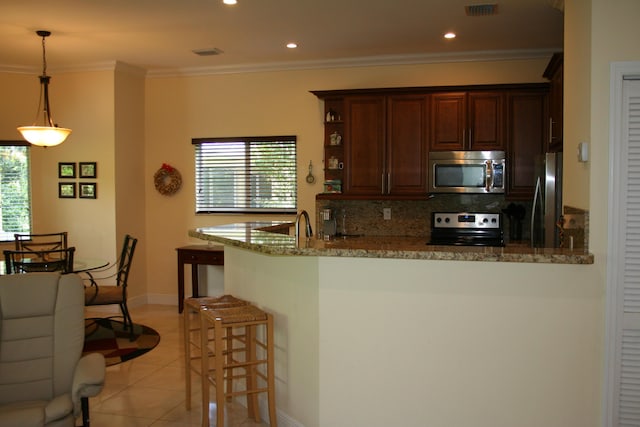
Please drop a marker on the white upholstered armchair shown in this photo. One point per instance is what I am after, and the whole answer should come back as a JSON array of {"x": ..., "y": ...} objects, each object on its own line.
[{"x": 44, "y": 381}]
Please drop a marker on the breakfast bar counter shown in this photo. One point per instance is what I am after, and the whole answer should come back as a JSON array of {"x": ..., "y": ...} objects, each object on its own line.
[
  {"x": 260, "y": 237},
  {"x": 382, "y": 331}
]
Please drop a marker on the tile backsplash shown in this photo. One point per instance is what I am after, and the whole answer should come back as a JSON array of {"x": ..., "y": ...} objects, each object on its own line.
[
  {"x": 408, "y": 218},
  {"x": 413, "y": 218}
]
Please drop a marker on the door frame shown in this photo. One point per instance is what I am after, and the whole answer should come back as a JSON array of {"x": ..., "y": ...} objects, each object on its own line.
[{"x": 615, "y": 282}]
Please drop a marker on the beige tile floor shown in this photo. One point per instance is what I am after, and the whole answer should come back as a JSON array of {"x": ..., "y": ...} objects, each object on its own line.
[{"x": 150, "y": 390}]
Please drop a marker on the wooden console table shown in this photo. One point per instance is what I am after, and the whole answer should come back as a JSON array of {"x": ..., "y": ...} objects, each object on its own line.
[{"x": 195, "y": 255}]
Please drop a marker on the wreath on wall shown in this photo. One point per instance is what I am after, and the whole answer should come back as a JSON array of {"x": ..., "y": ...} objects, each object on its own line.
[{"x": 167, "y": 180}]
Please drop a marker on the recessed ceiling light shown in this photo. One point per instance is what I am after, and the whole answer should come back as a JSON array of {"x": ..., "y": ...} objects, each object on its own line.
[
  {"x": 229, "y": 1},
  {"x": 292, "y": 45},
  {"x": 450, "y": 35}
]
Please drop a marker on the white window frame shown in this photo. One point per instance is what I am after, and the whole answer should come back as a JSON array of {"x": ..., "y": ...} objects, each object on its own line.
[{"x": 251, "y": 175}]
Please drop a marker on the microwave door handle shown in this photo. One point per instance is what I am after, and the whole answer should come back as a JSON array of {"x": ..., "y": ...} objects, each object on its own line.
[
  {"x": 489, "y": 177},
  {"x": 538, "y": 191}
]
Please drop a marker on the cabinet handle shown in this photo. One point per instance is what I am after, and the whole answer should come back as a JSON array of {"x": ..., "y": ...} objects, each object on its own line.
[
  {"x": 388, "y": 183},
  {"x": 550, "y": 129},
  {"x": 470, "y": 137},
  {"x": 382, "y": 183}
]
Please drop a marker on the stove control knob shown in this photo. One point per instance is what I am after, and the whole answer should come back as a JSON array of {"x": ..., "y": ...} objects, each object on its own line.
[
  {"x": 438, "y": 220},
  {"x": 493, "y": 220},
  {"x": 485, "y": 220},
  {"x": 447, "y": 220}
]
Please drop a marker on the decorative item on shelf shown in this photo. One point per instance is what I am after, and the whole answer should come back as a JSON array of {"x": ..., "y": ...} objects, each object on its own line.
[
  {"x": 167, "y": 180},
  {"x": 335, "y": 138},
  {"x": 332, "y": 116},
  {"x": 333, "y": 186},
  {"x": 49, "y": 134},
  {"x": 334, "y": 163},
  {"x": 310, "y": 178}
]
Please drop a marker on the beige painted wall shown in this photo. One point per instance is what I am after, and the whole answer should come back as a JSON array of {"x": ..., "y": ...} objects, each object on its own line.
[
  {"x": 83, "y": 102},
  {"x": 577, "y": 102},
  {"x": 129, "y": 184},
  {"x": 270, "y": 103}
]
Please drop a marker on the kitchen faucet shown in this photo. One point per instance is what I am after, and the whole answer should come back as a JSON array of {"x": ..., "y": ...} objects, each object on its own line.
[{"x": 308, "y": 231}]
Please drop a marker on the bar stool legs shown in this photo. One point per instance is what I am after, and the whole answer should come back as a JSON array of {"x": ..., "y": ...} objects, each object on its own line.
[
  {"x": 192, "y": 307},
  {"x": 226, "y": 343}
]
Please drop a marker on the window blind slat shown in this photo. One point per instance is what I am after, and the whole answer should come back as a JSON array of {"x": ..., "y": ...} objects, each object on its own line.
[{"x": 246, "y": 174}]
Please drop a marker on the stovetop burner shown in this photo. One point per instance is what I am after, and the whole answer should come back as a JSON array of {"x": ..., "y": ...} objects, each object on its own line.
[{"x": 466, "y": 229}]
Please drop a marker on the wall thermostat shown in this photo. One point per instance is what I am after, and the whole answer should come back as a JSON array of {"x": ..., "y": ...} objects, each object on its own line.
[{"x": 583, "y": 152}]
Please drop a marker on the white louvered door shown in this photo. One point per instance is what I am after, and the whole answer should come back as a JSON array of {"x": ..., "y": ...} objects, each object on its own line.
[{"x": 626, "y": 399}]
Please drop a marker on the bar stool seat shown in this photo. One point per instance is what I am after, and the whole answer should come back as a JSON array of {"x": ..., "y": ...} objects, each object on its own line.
[
  {"x": 192, "y": 347},
  {"x": 220, "y": 363}
]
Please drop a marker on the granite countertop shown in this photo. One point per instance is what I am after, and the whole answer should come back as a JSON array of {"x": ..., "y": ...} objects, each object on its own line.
[{"x": 259, "y": 237}]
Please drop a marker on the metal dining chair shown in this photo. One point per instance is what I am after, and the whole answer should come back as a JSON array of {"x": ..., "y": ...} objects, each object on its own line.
[
  {"x": 40, "y": 242},
  {"x": 30, "y": 261},
  {"x": 97, "y": 293}
]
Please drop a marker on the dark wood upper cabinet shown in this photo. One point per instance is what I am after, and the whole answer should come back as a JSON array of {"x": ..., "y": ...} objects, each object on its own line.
[
  {"x": 527, "y": 132},
  {"x": 387, "y": 134},
  {"x": 364, "y": 144},
  {"x": 467, "y": 121},
  {"x": 407, "y": 144},
  {"x": 555, "y": 73}
]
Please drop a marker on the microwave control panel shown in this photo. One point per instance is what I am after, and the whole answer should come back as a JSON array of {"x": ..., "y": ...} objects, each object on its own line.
[{"x": 466, "y": 220}]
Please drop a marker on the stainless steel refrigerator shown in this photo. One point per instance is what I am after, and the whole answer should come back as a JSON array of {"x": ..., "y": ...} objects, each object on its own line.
[{"x": 547, "y": 201}]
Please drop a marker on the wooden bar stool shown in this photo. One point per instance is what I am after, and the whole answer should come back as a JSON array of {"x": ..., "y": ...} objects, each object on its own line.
[
  {"x": 192, "y": 348},
  {"x": 220, "y": 363}
]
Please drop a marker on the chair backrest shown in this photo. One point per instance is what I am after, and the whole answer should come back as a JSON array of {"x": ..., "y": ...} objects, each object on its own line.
[
  {"x": 41, "y": 242},
  {"x": 42, "y": 324},
  {"x": 124, "y": 262},
  {"x": 39, "y": 261}
]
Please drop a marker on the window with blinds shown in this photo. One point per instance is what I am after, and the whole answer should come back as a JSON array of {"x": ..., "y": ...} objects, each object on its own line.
[
  {"x": 15, "y": 191},
  {"x": 246, "y": 175}
]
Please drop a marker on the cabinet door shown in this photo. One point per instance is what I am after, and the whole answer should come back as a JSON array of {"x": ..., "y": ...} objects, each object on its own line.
[
  {"x": 555, "y": 110},
  {"x": 407, "y": 147},
  {"x": 364, "y": 145},
  {"x": 527, "y": 130},
  {"x": 486, "y": 121},
  {"x": 448, "y": 121}
]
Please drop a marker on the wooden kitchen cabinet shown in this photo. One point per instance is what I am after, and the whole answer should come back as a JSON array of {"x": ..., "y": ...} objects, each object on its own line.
[
  {"x": 527, "y": 131},
  {"x": 387, "y": 145},
  {"x": 467, "y": 121},
  {"x": 365, "y": 145},
  {"x": 555, "y": 73},
  {"x": 407, "y": 144},
  {"x": 387, "y": 134}
]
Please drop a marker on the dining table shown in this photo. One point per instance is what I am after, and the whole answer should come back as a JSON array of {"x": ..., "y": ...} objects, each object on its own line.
[{"x": 80, "y": 265}]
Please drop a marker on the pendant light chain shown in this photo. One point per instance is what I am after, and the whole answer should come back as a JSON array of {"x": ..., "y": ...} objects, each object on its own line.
[{"x": 44, "y": 56}]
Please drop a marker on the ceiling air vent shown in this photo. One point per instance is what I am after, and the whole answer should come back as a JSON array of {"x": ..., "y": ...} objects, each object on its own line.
[
  {"x": 481, "y": 9},
  {"x": 207, "y": 52}
]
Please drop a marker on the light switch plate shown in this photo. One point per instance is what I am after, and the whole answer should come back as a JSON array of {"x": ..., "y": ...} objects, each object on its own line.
[{"x": 583, "y": 152}]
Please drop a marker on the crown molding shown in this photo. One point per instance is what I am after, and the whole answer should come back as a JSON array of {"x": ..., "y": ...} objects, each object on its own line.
[{"x": 369, "y": 61}]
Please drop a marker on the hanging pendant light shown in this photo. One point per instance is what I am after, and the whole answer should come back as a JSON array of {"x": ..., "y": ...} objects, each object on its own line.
[{"x": 49, "y": 134}]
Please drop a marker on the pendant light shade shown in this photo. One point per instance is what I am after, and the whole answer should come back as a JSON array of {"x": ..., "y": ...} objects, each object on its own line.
[{"x": 48, "y": 134}]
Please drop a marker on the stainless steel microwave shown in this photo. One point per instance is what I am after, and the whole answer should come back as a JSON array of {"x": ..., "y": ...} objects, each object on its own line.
[{"x": 480, "y": 172}]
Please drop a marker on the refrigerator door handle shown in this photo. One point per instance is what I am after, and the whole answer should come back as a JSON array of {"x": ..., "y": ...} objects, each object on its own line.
[{"x": 537, "y": 192}]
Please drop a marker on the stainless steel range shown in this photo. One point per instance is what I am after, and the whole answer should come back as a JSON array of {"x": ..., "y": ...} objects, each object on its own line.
[{"x": 466, "y": 229}]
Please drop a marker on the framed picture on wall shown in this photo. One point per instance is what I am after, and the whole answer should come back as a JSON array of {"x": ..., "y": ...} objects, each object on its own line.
[
  {"x": 88, "y": 190},
  {"x": 67, "y": 190},
  {"x": 66, "y": 170},
  {"x": 88, "y": 170}
]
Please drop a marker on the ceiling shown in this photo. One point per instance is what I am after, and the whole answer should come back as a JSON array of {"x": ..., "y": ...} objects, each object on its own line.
[{"x": 160, "y": 35}]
